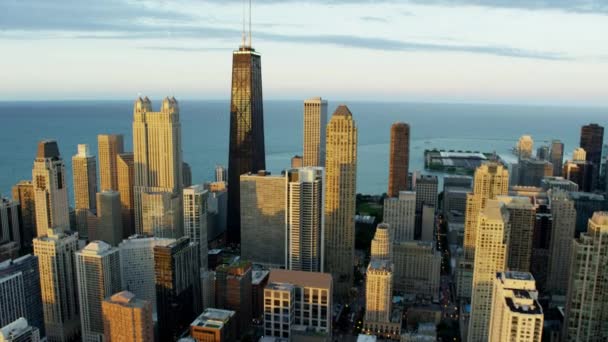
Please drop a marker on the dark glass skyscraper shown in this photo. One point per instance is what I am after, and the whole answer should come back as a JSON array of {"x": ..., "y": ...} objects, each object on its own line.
[
  {"x": 592, "y": 139},
  {"x": 246, "y": 153}
]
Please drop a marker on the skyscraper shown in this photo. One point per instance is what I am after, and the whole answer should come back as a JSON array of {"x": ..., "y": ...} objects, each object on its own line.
[
  {"x": 556, "y": 156},
  {"x": 127, "y": 318},
  {"x": 563, "y": 230},
  {"x": 98, "y": 274},
  {"x": 579, "y": 154},
  {"x": 10, "y": 226},
  {"x": 58, "y": 284},
  {"x": 233, "y": 292},
  {"x": 157, "y": 155},
  {"x": 400, "y": 214},
  {"x": 525, "y": 145},
  {"x": 305, "y": 219},
  {"x": 220, "y": 174},
  {"x": 379, "y": 298},
  {"x": 246, "y": 150},
  {"x": 195, "y": 218},
  {"x": 426, "y": 196},
  {"x": 159, "y": 214},
  {"x": 382, "y": 246},
  {"x": 84, "y": 172},
  {"x": 187, "y": 175},
  {"x": 315, "y": 121},
  {"x": 542, "y": 153},
  {"x": 126, "y": 173},
  {"x": 109, "y": 146},
  {"x": 417, "y": 266},
  {"x": 23, "y": 192},
  {"x": 50, "y": 189},
  {"x": 399, "y": 159},
  {"x": 340, "y": 199},
  {"x": 586, "y": 317},
  {"x": 522, "y": 219},
  {"x": 592, "y": 141},
  {"x": 532, "y": 171},
  {"x": 107, "y": 225}
]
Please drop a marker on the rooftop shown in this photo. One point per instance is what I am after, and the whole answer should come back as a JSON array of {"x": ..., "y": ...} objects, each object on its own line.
[
  {"x": 48, "y": 149},
  {"x": 213, "y": 318},
  {"x": 258, "y": 275},
  {"x": 342, "y": 110},
  {"x": 301, "y": 278}
]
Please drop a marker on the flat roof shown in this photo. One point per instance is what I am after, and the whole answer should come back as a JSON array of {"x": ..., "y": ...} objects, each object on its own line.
[
  {"x": 301, "y": 278},
  {"x": 258, "y": 275}
]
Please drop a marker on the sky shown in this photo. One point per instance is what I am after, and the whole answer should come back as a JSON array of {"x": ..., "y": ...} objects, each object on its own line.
[{"x": 550, "y": 52}]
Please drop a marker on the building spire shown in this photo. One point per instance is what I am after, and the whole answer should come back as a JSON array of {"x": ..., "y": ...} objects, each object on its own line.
[
  {"x": 244, "y": 24},
  {"x": 250, "y": 44}
]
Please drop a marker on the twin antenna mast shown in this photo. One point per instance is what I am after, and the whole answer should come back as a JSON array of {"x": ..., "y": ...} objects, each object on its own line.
[{"x": 246, "y": 44}]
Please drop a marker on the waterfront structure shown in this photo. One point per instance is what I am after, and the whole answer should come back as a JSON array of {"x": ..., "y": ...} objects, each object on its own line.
[
  {"x": 532, "y": 171},
  {"x": 125, "y": 169},
  {"x": 109, "y": 146},
  {"x": 214, "y": 325},
  {"x": 98, "y": 274},
  {"x": 221, "y": 174},
  {"x": 522, "y": 221},
  {"x": 400, "y": 214},
  {"x": 563, "y": 230},
  {"x": 305, "y": 220},
  {"x": 137, "y": 266},
  {"x": 127, "y": 318},
  {"x": 10, "y": 226},
  {"x": 107, "y": 224},
  {"x": 263, "y": 205},
  {"x": 23, "y": 193},
  {"x": 50, "y": 189},
  {"x": 84, "y": 173},
  {"x": 233, "y": 292},
  {"x": 586, "y": 316},
  {"x": 20, "y": 294},
  {"x": 57, "y": 270},
  {"x": 195, "y": 218},
  {"x": 178, "y": 294},
  {"x": 246, "y": 147},
  {"x": 417, "y": 268},
  {"x": 490, "y": 257},
  {"x": 592, "y": 141},
  {"x": 516, "y": 313},
  {"x": 157, "y": 156},
  {"x": 279, "y": 309},
  {"x": 382, "y": 246},
  {"x": 340, "y": 198},
  {"x": 556, "y": 157},
  {"x": 315, "y": 122},
  {"x": 525, "y": 145},
  {"x": 399, "y": 159},
  {"x": 19, "y": 331}
]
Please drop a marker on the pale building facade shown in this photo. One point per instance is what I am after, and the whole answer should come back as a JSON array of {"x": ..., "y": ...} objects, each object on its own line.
[
  {"x": 126, "y": 173},
  {"x": 382, "y": 246},
  {"x": 127, "y": 318},
  {"x": 109, "y": 146},
  {"x": 417, "y": 266},
  {"x": 195, "y": 218},
  {"x": 563, "y": 228},
  {"x": 400, "y": 214},
  {"x": 84, "y": 174},
  {"x": 315, "y": 122}
]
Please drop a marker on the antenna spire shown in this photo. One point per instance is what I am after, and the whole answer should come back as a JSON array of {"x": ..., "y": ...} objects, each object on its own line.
[
  {"x": 244, "y": 24},
  {"x": 250, "y": 45}
]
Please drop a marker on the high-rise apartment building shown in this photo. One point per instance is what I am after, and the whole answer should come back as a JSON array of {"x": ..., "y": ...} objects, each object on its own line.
[
  {"x": 186, "y": 175},
  {"x": 214, "y": 325},
  {"x": 19, "y": 331},
  {"x": 23, "y": 193},
  {"x": 516, "y": 313},
  {"x": 340, "y": 198},
  {"x": 305, "y": 219},
  {"x": 522, "y": 220},
  {"x": 109, "y": 146},
  {"x": 58, "y": 284},
  {"x": 399, "y": 159},
  {"x": 178, "y": 293},
  {"x": 417, "y": 266},
  {"x": 379, "y": 299},
  {"x": 263, "y": 205},
  {"x": 84, "y": 173},
  {"x": 315, "y": 122},
  {"x": 127, "y": 318},
  {"x": 586, "y": 317},
  {"x": 592, "y": 141},
  {"x": 556, "y": 156},
  {"x": 221, "y": 174},
  {"x": 246, "y": 148},
  {"x": 195, "y": 218},
  {"x": 525, "y": 146},
  {"x": 233, "y": 292},
  {"x": 157, "y": 156},
  {"x": 490, "y": 257},
  {"x": 126, "y": 172},
  {"x": 10, "y": 226},
  {"x": 563, "y": 230},
  {"x": 50, "y": 189},
  {"x": 98, "y": 274},
  {"x": 400, "y": 214},
  {"x": 382, "y": 245},
  {"x": 107, "y": 224}
]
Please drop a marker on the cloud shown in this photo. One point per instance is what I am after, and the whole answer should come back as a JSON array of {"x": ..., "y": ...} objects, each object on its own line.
[{"x": 374, "y": 19}]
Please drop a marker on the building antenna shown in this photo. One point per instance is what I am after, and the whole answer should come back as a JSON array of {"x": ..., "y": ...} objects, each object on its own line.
[
  {"x": 244, "y": 36},
  {"x": 250, "y": 43}
]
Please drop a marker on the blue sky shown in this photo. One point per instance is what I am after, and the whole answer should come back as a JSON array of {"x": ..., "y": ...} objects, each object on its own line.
[{"x": 496, "y": 51}]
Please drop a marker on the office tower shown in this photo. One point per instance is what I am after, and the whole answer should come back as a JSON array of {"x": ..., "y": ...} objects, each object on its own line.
[
  {"x": 98, "y": 274},
  {"x": 178, "y": 293},
  {"x": 586, "y": 317},
  {"x": 417, "y": 266},
  {"x": 586, "y": 204},
  {"x": 23, "y": 192},
  {"x": 126, "y": 172},
  {"x": 558, "y": 183},
  {"x": 263, "y": 205},
  {"x": 490, "y": 258},
  {"x": 246, "y": 148},
  {"x": 297, "y": 162},
  {"x": 382, "y": 246},
  {"x": 516, "y": 313},
  {"x": 187, "y": 175},
  {"x": 592, "y": 141},
  {"x": 10, "y": 226},
  {"x": 137, "y": 264},
  {"x": 233, "y": 292},
  {"x": 259, "y": 280},
  {"x": 305, "y": 219},
  {"x": 20, "y": 292},
  {"x": 426, "y": 194},
  {"x": 522, "y": 220},
  {"x": 58, "y": 285},
  {"x": 315, "y": 122},
  {"x": 84, "y": 172},
  {"x": 217, "y": 210},
  {"x": 427, "y": 223},
  {"x": 400, "y": 214},
  {"x": 195, "y": 218},
  {"x": 220, "y": 174},
  {"x": 525, "y": 145},
  {"x": 399, "y": 159},
  {"x": 378, "y": 299},
  {"x": 50, "y": 189},
  {"x": 542, "y": 153},
  {"x": 279, "y": 304},
  {"x": 109, "y": 146},
  {"x": 455, "y": 190},
  {"x": 541, "y": 242},
  {"x": 127, "y": 318},
  {"x": 579, "y": 154},
  {"x": 214, "y": 325},
  {"x": 340, "y": 199},
  {"x": 314, "y": 293},
  {"x": 560, "y": 249},
  {"x": 556, "y": 156},
  {"x": 581, "y": 173},
  {"x": 107, "y": 224},
  {"x": 19, "y": 331},
  {"x": 532, "y": 171},
  {"x": 157, "y": 156}
]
